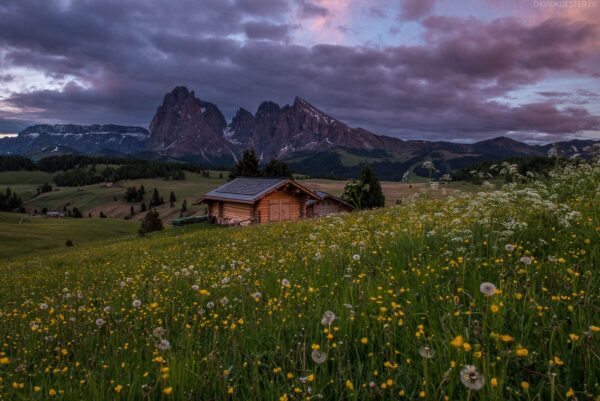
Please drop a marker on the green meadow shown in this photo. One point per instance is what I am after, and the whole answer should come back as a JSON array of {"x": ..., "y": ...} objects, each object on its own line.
[
  {"x": 474, "y": 296},
  {"x": 23, "y": 235}
]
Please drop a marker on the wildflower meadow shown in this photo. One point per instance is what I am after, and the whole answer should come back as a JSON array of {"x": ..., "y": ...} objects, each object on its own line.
[{"x": 486, "y": 296}]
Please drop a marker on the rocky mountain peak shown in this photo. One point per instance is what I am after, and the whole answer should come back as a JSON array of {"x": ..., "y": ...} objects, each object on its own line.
[
  {"x": 307, "y": 110},
  {"x": 268, "y": 108},
  {"x": 241, "y": 128},
  {"x": 185, "y": 125}
]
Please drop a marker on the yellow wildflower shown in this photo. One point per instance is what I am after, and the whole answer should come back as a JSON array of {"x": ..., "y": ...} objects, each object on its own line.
[{"x": 457, "y": 342}]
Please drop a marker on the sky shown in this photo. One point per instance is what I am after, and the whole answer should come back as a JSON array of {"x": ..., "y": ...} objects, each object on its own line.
[{"x": 451, "y": 70}]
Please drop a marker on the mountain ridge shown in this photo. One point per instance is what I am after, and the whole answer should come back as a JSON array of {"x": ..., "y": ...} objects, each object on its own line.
[{"x": 187, "y": 128}]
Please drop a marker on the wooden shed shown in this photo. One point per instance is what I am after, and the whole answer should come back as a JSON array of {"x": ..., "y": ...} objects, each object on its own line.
[
  {"x": 244, "y": 201},
  {"x": 326, "y": 204}
]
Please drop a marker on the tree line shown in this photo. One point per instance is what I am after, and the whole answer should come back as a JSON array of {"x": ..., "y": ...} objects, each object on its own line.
[
  {"x": 249, "y": 166},
  {"x": 140, "y": 169},
  {"x": 11, "y": 202},
  {"x": 16, "y": 163},
  {"x": 78, "y": 170}
]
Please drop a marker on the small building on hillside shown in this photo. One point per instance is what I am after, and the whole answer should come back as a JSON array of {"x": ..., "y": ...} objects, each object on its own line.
[
  {"x": 326, "y": 204},
  {"x": 245, "y": 201}
]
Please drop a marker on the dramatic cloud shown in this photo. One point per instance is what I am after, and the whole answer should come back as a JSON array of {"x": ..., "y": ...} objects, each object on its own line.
[
  {"x": 463, "y": 79},
  {"x": 261, "y": 30},
  {"x": 415, "y": 9},
  {"x": 311, "y": 10}
]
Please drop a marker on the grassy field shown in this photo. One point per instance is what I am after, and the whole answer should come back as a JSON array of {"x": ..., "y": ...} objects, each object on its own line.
[
  {"x": 386, "y": 304},
  {"x": 99, "y": 198},
  {"x": 397, "y": 191},
  {"x": 25, "y": 235}
]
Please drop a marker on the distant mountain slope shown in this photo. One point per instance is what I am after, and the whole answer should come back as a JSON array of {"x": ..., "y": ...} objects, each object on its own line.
[{"x": 86, "y": 139}]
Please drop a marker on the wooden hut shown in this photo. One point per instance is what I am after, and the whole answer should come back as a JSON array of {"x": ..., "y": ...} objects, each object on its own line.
[
  {"x": 244, "y": 201},
  {"x": 326, "y": 204}
]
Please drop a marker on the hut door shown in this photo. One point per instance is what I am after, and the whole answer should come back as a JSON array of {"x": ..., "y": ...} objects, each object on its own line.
[
  {"x": 284, "y": 211},
  {"x": 279, "y": 211},
  {"x": 274, "y": 214}
]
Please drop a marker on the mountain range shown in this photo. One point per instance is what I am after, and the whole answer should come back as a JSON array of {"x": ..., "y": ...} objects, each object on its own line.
[
  {"x": 40, "y": 140},
  {"x": 309, "y": 140}
]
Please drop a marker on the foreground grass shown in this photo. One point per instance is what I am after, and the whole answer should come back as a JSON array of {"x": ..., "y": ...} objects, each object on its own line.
[
  {"x": 21, "y": 234},
  {"x": 238, "y": 313}
]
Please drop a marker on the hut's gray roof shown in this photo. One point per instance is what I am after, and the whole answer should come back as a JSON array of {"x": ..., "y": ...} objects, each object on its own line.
[
  {"x": 248, "y": 190},
  {"x": 322, "y": 195}
]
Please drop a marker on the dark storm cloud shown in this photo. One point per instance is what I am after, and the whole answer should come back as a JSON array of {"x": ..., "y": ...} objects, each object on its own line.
[
  {"x": 264, "y": 30},
  {"x": 7, "y": 77},
  {"x": 11, "y": 125},
  {"x": 124, "y": 56},
  {"x": 309, "y": 9},
  {"x": 263, "y": 7},
  {"x": 415, "y": 9}
]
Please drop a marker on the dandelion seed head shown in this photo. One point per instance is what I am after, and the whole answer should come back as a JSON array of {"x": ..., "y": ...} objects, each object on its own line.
[
  {"x": 318, "y": 356},
  {"x": 526, "y": 260},
  {"x": 471, "y": 378},
  {"x": 488, "y": 289},
  {"x": 159, "y": 332},
  {"x": 163, "y": 345},
  {"x": 328, "y": 318},
  {"x": 426, "y": 352}
]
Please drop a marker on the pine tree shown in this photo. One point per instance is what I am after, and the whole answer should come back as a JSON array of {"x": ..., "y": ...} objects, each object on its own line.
[
  {"x": 365, "y": 192},
  {"x": 131, "y": 211},
  {"x": 151, "y": 223},
  {"x": 143, "y": 207},
  {"x": 172, "y": 199},
  {"x": 247, "y": 167},
  {"x": 373, "y": 194},
  {"x": 277, "y": 168},
  {"x": 140, "y": 194},
  {"x": 184, "y": 206},
  {"x": 155, "y": 201}
]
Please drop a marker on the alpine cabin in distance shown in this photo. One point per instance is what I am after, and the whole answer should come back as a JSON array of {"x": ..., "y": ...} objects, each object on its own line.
[
  {"x": 326, "y": 205},
  {"x": 245, "y": 201}
]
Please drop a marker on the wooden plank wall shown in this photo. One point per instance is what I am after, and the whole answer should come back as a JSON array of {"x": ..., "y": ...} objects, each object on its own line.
[
  {"x": 297, "y": 203},
  {"x": 237, "y": 211}
]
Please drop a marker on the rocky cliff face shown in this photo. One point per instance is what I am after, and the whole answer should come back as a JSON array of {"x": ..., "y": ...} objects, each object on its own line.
[
  {"x": 69, "y": 138},
  {"x": 276, "y": 132},
  {"x": 187, "y": 126}
]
